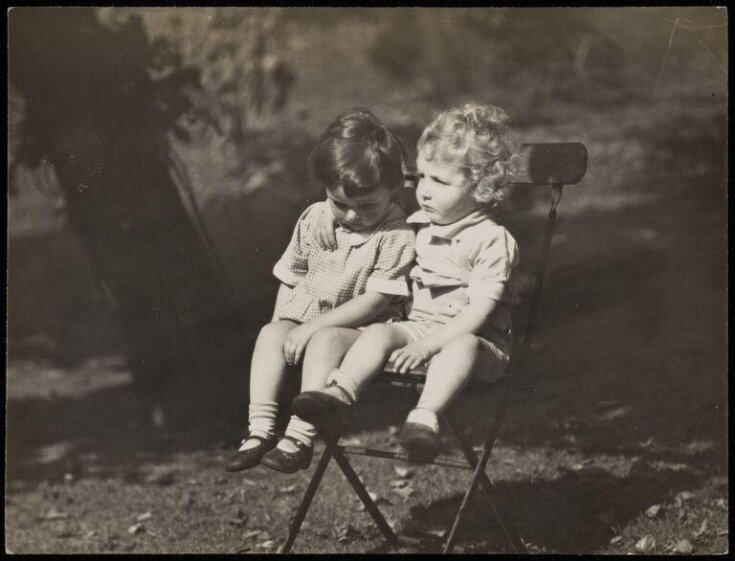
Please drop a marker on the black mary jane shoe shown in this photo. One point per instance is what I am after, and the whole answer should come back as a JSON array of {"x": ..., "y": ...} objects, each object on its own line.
[
  {"x": 245, "y": 459},
  {"x": 420, "y": 441},
  {"x": 289, "y": 462},
  {"x": 326, "y": 412}
]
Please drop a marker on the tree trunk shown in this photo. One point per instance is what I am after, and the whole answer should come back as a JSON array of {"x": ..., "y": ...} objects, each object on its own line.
[{"x": 181, "y": 326}]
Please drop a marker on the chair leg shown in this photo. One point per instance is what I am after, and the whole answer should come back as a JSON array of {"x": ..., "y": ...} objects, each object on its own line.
[
  {"x": 359, "y": 488},
  {"x": 510, "y": 531},
  {"x": 298, "y": 518}
]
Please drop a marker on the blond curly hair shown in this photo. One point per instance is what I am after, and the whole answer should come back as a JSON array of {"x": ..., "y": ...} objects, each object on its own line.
[{"x": 478, "y": 139}]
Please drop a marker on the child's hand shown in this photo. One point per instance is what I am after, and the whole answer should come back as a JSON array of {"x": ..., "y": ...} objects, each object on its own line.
[
  {"x": 324, "y": 232},
  {"x": 295, "y": 343},
  {"x": 410, "y": 356}
]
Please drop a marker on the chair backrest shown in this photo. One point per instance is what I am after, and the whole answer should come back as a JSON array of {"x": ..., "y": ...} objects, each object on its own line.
[
  {"x": 558, "y": 163},
  {"x": 553, "y": 163}
]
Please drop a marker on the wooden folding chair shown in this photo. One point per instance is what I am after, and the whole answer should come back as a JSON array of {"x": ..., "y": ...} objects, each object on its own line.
[{"x": 552, "y": 165}]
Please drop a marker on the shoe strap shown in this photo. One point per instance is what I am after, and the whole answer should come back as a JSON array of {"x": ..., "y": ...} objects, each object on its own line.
[
  {"x": 254, "y": 437},
  {"x": 300, "y": 445}
]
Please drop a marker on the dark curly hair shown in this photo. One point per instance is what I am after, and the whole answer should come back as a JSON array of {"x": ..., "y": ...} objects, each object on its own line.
[{"x": 358, "y": 153}]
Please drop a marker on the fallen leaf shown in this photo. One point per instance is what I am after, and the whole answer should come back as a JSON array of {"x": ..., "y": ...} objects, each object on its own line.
[
  {"x": 723, "y": 532},
  {"x": 145, "y": 516},
  {"x": 398, "y": 483},
  {"x": 237, "y": 521},
  {"x": 161, "y": 477},
  {"x": 347, "y": 532},
  {"x": 685, "y": 495},
  {"x": 249, "y": 482},
  {"x": 647, "y": 443},
  {"x": 403, "y": 471},
  {"x": 269, "y": 544},
  {"x": 136, "y": 529},
  {"x": 53, "y": 514},
  {"x": 405, "y": 492},
  {"x": 252, "y": 534},
  {"x": 645, "y": 544},
  {"x": 577, "y": 467},
  {"x": 437, "y": 533},
  {"x": 721, "y": 503},
  {"x": 703, "y": 528},
  {"x": 288, "y": 489},
  {"x": 683, "y": 546},
  {"x": 653, "y": 510},
  {"x": 615, "y": 540}
]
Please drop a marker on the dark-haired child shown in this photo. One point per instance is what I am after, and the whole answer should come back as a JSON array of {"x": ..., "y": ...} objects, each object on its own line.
[{"x": 359, "y": 163}]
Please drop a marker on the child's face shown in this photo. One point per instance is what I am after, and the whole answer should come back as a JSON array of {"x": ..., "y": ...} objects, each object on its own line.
[
  {"x": 359, "y": 213},
  {"x": 443, "y": 192}
]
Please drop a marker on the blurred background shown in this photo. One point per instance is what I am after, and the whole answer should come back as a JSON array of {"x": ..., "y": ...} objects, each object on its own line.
[{"x": 158, "y": 162}]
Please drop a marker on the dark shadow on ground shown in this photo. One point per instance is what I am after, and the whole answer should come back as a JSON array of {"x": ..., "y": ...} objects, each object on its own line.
[{"x": 572, "y": 514}]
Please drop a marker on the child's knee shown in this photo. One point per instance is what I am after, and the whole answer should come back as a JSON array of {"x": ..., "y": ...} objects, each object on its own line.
[
  {"x": 379, "y": 336},
  {"x": 273, "y": 333},
  {"x": 325, "y": 337},
  {"x": 465, "y": 344}
]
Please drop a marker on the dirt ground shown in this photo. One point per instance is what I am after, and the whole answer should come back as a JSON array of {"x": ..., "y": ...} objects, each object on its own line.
[{"x": 616, "y": 440}]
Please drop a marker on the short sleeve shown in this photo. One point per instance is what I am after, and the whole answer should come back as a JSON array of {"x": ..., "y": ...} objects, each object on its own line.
[
  {"x": 492, "y": 267},
  {"x": 395, "y": 258},
  {"x": 292, "y": 267}
]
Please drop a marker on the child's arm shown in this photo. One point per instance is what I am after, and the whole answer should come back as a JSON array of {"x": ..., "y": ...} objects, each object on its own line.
[
  {"x": 283, "y": 291},
  {"x": 357, "y": 311},
  {"x": 469, "y": 320}
]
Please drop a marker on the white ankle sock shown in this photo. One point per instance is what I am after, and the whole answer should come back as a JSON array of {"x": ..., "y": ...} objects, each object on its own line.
[
  {"x": 300, "y": 430},
  {"x": 262, "y": 422},
  {"x": 424, "y": 417},
  {"x": 345, "y": 382}
]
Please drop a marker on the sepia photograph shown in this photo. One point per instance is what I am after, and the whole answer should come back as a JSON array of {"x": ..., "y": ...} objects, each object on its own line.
[{"x": 384, "y": 280}]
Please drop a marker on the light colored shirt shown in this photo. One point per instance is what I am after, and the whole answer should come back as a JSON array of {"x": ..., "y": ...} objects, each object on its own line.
[
  {"x": 378, "y": 260},
  {"x": 456, "y": 263}
]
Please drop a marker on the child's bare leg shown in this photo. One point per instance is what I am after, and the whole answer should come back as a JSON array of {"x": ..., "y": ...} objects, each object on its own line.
[
  {"x": 323, "y": 353},
  {"x": 448, "y": 372},
  {"x": 366, "y": 359},
  {"x": 267, "y": 374}
]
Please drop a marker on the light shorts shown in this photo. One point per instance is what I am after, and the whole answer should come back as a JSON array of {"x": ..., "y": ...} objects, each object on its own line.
[{"x": 418, "y": 330}]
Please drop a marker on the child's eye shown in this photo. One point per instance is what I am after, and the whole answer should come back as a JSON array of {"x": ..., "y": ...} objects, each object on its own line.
[{"x": 437, "y": 180}]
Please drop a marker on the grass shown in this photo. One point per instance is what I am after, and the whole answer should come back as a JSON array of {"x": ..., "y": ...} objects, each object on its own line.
[{"x": 623, "y": 407}]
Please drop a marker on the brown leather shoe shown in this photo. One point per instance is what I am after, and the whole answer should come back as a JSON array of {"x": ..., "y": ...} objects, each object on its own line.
[
  {"x": 289, "y": 462},
  {"x": 328, "y": 413},
  {"x": 420, "y": 441},
  {"x": 245, "y": 459}
]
